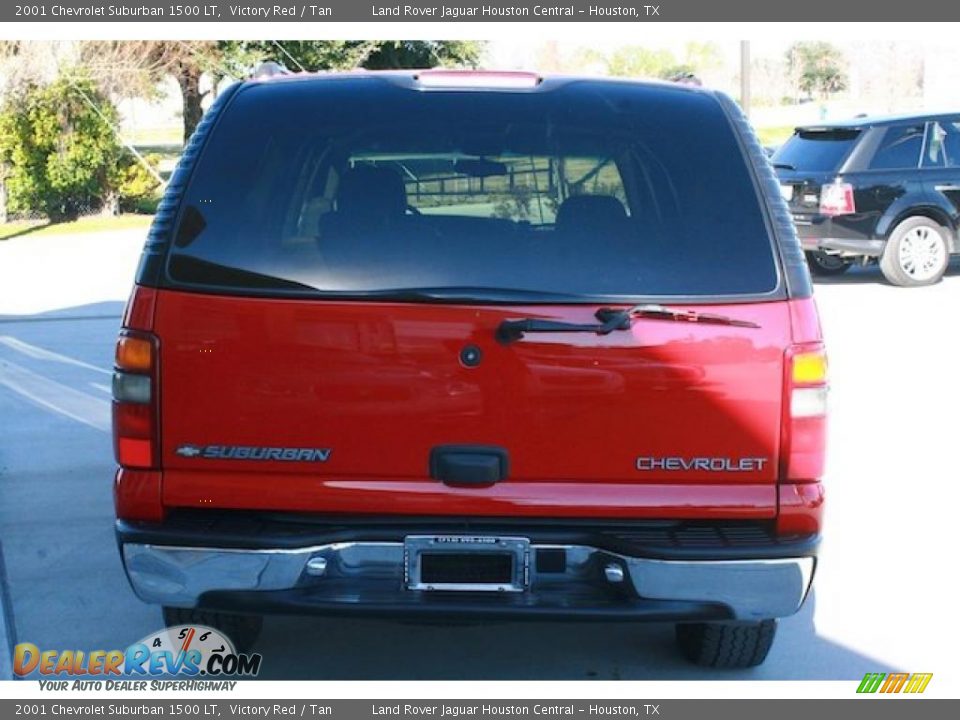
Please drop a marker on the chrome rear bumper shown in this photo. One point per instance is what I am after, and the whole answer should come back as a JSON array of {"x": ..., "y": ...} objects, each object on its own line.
[{"x": 369, "y": 572}]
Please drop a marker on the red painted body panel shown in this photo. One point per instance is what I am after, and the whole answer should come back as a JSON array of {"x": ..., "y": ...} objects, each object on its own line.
[
  {"x": 138, "y": 313},
  {"x": 380, "y": 384},
  {"x": 428, "y": 497},
  {"x": 805, "y": 321},
  {"x": 800, "y": 509},
  {"x": 137, "y": 494}
]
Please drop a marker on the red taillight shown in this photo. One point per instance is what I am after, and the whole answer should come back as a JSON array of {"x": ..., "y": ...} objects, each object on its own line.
[
  {"x": 837, "y": 199},
  {"x": 135, "y": 402},
  {"x": 136, "y": 412},
  {"x": 804, "y": 433}
]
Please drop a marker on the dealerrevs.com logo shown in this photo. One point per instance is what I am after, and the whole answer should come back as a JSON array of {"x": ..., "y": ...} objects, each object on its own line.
[{"x": 183, "y": 651}]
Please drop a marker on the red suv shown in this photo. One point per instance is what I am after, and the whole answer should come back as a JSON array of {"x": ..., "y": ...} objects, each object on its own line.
[{"x": 473, "y": 344}]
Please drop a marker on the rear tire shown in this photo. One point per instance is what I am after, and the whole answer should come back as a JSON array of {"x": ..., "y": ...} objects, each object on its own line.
[
  {"x": 826, "y": 265},
  {"x": 243, "y": 630},
  {"x": 726, "y": 645},
  {"x": 916, "y": 254}
]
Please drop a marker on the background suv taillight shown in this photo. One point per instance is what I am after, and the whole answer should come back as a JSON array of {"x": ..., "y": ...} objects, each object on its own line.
[
  {"x": 135, "y": 401},
  {"x": 837, "y": 199},
  {"x": 805, "y": 414}
]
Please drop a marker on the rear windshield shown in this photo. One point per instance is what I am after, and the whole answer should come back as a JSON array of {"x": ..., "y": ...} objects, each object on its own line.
[
  {"x": 356, "y": 187},
  {"x": 816, "y": 150}
]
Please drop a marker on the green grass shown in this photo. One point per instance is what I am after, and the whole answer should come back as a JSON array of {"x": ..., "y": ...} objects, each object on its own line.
[
  {"x": 169, "y": 135},
  {"x": 774, "y": 135},
  {"x": 90, "y": 224}
]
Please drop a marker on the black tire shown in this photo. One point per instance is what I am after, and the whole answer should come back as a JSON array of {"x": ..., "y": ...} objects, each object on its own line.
[
  {"x": 243, "y": 630},
  {"x": 826, "y": 265},
  {"x": 901, "y": 271},
  {"x": 726, "y": 645}
]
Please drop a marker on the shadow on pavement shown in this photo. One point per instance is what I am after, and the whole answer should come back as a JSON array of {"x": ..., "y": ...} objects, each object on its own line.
[
  {"x": 26, "y": 231},
  {"x": 93, "y": 311},
  {"x": 299, "y": 648}
]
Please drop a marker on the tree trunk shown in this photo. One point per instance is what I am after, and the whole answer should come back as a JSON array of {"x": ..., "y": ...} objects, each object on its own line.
[
  {"x": 3, "y": 201},
  {"x": 189, "y": 80},
  {"x": 111, "y": 204}
]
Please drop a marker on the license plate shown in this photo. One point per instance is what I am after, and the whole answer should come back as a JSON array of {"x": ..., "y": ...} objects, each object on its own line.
[{"x": 466, "y": 563}]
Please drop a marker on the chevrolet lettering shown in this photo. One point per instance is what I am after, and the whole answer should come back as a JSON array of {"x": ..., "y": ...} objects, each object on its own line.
[{"x": 706, "y": 464}]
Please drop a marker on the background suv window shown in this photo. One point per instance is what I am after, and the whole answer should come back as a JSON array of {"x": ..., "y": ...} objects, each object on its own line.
[
  {"x": 943, "y": 145},
  {"x": 899, "y": 149},
  {"x": 816, "y": 150}
]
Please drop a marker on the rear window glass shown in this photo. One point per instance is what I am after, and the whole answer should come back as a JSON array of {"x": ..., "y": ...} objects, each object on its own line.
[
  {"x": 816, "y": 150},
  {"x": 350, "y": 187}
]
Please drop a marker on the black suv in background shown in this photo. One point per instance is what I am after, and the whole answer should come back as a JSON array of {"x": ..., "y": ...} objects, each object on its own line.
[{"x": 876, "y": 189}]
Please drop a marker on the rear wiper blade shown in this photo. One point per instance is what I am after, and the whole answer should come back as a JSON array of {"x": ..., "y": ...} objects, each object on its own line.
[
  {"x": 783, "y": 166},
  {"x": 661, "y": 312},
  {"x": 611, "y": 319}
]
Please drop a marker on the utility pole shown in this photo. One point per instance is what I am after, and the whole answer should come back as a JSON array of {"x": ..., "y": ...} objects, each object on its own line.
[{"x": 745, "y": 76}]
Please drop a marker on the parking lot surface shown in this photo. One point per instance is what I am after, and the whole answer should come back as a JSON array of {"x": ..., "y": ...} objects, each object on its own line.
[{"x": 884, "y": 595}]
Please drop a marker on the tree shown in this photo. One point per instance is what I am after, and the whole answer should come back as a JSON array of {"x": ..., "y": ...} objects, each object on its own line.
[
  {"x": 638, "y": 61},
  {"x": 702, "y": 56},
  {"x": 188, "y": 62},
  {"x": 58, "y": 148},
  {"x": 298, "y": 55},
  {"x": 817, "y": 68},
  {"x": 314, "y": 55},
  {"x": 135, "y": 68},
  {"x": 395, "y": 54}
]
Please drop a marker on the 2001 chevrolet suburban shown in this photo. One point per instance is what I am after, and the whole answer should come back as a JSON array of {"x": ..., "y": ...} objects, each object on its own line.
[{"x": 477, "y": 344}]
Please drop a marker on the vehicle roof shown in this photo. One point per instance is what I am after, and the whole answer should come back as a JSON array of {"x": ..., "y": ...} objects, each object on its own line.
[
  {"x": 879, "y": 120},
  {"x": 411, "y": 78}
]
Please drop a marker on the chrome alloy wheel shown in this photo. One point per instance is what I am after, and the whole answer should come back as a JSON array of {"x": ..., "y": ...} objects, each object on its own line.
[{"x": 922, "y": 253}]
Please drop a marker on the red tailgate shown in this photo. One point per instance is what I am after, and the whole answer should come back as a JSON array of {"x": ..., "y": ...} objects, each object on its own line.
[{"x": 669, "y": 419}]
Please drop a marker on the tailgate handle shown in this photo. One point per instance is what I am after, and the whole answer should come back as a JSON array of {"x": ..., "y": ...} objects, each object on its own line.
[{"x": 469, "y": 465}]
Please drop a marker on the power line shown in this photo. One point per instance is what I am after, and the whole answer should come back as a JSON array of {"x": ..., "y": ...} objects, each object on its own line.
[
  {"x": 284, "y": 51},
  {"x": 116, "y": 131}
]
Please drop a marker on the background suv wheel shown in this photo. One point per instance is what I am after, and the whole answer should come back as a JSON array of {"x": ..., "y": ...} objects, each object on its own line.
[
  {"x": 824, "y": 264},
  {"x": 917, "y": 253}
]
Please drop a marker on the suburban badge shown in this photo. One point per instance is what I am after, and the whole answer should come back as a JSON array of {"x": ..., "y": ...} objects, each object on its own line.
[{"x": 254, "y": 452}]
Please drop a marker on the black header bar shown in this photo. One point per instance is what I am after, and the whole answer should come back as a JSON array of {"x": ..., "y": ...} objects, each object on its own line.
[{"x": 324, "y": 11}]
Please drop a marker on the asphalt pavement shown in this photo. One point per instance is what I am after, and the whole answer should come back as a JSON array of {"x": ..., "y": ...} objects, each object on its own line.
[{"x": 884, "y": 595}]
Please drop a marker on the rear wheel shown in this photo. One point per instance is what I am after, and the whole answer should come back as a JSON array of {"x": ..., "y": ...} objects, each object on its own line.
[
  {"x": 917, "y": 253},
  {"x": 824, "y": 264},
  {"x": 243, "y": 630},
  {"x": 726, "y": 645}
]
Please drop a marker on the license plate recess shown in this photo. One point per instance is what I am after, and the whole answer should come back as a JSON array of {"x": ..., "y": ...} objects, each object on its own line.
[{"x": 466, "y": 563}]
